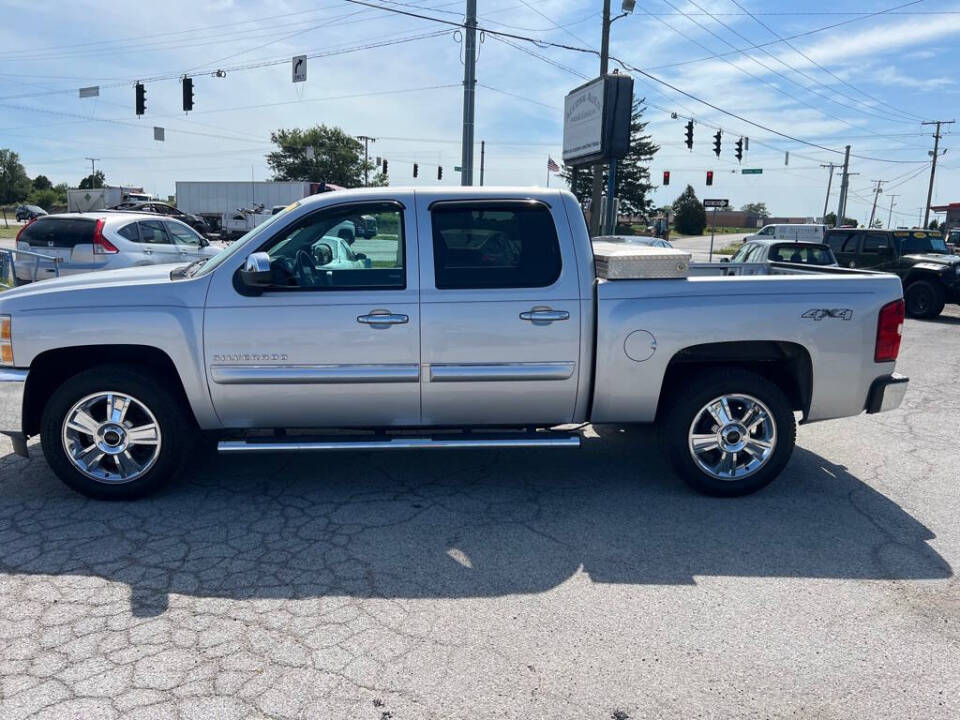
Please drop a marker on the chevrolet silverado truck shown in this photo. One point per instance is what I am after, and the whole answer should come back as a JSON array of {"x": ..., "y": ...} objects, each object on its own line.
[{"x": 477, "y": 319}]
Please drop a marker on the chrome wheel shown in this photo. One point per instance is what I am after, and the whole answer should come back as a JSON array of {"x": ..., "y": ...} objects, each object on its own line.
[
  {"x": 732, "y": 437},
  {"x": 111, "y": 437}
]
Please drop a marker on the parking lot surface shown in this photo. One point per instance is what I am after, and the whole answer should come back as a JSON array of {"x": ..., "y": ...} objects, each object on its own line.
[{"x": 507, "y": 584}]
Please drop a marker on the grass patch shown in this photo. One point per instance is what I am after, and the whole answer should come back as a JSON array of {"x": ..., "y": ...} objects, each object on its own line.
[
  {"x": 730, "y": 249},
  {"x": 9, "y": 232}
]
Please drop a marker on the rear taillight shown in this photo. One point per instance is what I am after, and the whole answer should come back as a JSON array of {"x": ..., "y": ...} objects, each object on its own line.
[
  {"x": 102, "y": 246},
  {"x": 20, "y": 231},
  {"x": 889, "y": 332}
]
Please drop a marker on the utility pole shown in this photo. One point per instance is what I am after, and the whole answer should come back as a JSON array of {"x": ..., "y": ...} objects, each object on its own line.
[
  {"x": 93, "y": 167},
  {"x": 469, "y": 91},
  {"x": 483, "y": 152},
  {"x": 827, "y": 199},
  {"x": 596, "y": 222},
  {"x": 890, "y": 215},
  {"x": 876, "y": 196},
  {"x": 933, "y": 165},
  {"x": 366, "y": 139},
  {"x": 844, "y": 183}
]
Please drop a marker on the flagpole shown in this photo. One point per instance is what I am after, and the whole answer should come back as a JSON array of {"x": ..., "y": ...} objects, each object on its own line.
[{"x": 548, "y": 176}]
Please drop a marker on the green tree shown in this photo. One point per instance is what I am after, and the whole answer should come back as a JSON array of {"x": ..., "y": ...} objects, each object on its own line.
[
  {"x": 933, "y": 225},
  {"x": 61, "y": 190},
  {"x": 320, "y": 154},
  {"x": 689, "y": 217},
  {"x": 42, "y": 182},
  {"x": 14, "y": 183},
  {"x": 45, "y": 198},
  {"x": 633, "y": 171},
  {"x": 92, "y": 181},
  {"x": 757, "y": 208}
]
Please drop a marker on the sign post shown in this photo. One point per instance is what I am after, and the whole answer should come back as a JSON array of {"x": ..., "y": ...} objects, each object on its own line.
[{"x": 715, "y": 204}]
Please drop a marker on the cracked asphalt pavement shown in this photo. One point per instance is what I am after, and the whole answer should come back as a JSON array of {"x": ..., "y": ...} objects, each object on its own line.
[{"x": 507, "y": 584}]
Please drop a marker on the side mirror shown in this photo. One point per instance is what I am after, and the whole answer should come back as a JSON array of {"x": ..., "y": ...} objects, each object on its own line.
[
  {"x": 256, "y": 272},
  {"x": 725, "y": 259}
]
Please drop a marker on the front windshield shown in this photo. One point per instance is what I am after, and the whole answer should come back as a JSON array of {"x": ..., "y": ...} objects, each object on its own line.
[
  {"x": 235, "y": 246},
  {"x": 920, "y": 243}
]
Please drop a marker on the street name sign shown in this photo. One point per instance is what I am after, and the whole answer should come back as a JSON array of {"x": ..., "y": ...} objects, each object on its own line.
[
  {"x": 752, "y": 171},
  {"x": 716, "y": 203}
]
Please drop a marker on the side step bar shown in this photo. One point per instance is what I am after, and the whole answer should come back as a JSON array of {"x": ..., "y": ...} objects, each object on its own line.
[{"x": 397, "y": 443}]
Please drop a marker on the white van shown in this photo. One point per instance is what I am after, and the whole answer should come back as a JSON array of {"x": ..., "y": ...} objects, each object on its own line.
[{"x": 796, "y": 232}]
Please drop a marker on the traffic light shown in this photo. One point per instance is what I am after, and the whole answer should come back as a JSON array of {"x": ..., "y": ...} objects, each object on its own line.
[
  {"x": 739, "y": 152},
  {"x": 187, "y": 94},
  {"x": 439, "y": 172},
  {"x": 141, "y": 93},
  {"x": 709, "y": 177},
  {"x": 416, "y": 170},
  {"x": 666, "y": 177},
  {"x": 690, "y": 135},
  {"x": 716, "y": 143},
  {"x": 384, "y": 166}
]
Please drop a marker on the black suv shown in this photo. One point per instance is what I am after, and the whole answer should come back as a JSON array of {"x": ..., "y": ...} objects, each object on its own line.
[
  {"x": 159, "y": 208},
  {"x": 930, "y": 273}
]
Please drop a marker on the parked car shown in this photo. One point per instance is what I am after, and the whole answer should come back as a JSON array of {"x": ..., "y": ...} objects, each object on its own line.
[
  {"x": 29, "y": 212},
  {"x": 159, "y": 208},
  {"x": 103, "y": 240},
  {"x": 483, "y": 315},
  {"x": 953, "y": 241},
  {"x": 767, "y": 250},
  {"x": 797, "y": 232},
  {"x": 929, "y": 271},
  {"x": 635, "y": 240}
]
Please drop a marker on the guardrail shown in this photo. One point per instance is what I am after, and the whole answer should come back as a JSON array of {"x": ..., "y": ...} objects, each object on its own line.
[{"x": 8, "y": 265}]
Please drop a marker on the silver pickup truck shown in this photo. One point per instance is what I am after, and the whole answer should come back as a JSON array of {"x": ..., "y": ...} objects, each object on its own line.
[{"x": 474, "y": 318}]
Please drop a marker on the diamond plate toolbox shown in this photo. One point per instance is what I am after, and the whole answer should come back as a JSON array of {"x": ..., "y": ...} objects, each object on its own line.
[{"x": 627, "y": 261}]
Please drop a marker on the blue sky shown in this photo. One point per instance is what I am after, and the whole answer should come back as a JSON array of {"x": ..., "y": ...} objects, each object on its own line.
[{"x": 866, "y": 83}]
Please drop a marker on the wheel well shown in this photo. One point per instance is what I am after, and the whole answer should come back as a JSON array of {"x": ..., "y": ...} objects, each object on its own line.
[
  {"x": 922, "y": 276},
  {"x": 785, "y": 364},
  {"x": 51, "y": 369}
]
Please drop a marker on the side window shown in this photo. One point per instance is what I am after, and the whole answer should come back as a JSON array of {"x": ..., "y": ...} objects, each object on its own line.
[
  {"x": 181, "y": 234},
  {"x": 326, "y": 251},
  {"x": 850, "y": 245},
  {"x": 756, "y": 254},
  {"x": 494, "y": 245},
  {"x": 835, "y": 240},
  {"x": 767, "y": 231},
  {"x": 130, "y": 232},
  {"x": 875, "y": 243},
  {"x": 152, "y": 233}
]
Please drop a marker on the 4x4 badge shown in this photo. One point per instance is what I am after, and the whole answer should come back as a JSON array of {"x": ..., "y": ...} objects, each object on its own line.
[{"x": 835, "y": 313}]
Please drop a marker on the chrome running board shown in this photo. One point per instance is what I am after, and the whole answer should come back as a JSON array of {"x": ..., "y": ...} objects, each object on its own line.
[{"x": 397, "y": 443}]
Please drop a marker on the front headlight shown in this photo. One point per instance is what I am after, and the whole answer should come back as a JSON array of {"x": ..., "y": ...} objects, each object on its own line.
[{"x": 6, "y": 341}]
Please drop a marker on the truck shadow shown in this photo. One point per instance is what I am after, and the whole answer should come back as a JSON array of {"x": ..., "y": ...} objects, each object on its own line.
[{"x": 449, "y": 525}]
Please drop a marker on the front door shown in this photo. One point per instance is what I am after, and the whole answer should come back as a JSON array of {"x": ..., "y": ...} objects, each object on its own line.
[
  {"x": 335, "y": 342},
  {"x": 156, "y": 242},
  {"x": 501, "y": 314}
]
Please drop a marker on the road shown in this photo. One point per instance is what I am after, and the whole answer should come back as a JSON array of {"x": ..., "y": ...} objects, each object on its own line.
[
  {"x": 502, "y": 584},
  {"x": 700, "y": 245}
]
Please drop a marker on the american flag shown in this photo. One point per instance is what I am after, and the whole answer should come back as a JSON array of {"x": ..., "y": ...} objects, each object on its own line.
[{"x": 551, "y": 165}]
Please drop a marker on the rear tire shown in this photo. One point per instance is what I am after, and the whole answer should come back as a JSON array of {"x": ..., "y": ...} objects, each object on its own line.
[
  {"x": 116, "y": 432},
  {"x": 728, "y": 432},
  {"x": 924, "y": 299}
]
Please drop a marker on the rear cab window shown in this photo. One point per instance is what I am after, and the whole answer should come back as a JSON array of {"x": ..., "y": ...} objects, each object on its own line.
[
  {"x": 807, "y": 254},
  {"x": 493, "y": 245}
]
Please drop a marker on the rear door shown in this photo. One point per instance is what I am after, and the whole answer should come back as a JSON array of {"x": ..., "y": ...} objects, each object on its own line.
[
  {"x": 157, "y": 243},
  {"x": 500, "y": 339},
  {"x": 876, "y": 251},
  {"x": 845, "y": 245},
  {"x": 68, "y": 238}
]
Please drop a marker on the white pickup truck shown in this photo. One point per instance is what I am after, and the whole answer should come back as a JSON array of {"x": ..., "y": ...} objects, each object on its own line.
[{"x": 476, "y": 319}]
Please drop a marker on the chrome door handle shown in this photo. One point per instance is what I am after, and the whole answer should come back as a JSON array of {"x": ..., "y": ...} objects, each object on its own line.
[
  {"x": 544, "y": 315},
  {"x": 383, "y": 319},
  {"x": 148, "y": 252}
]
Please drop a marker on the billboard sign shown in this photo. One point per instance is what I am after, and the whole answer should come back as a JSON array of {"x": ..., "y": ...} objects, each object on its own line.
[{"x": 596, "y": 120}]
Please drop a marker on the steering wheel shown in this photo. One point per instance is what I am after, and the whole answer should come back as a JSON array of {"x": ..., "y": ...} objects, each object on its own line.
[{"x": 305, "y": 271}]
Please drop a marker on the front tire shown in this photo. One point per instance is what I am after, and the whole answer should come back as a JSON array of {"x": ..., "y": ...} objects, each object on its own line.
[
  {"x": 729, "y": 432},
  {"x": 116, "y": 432},
  {"x": 924, "y": 299}
]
